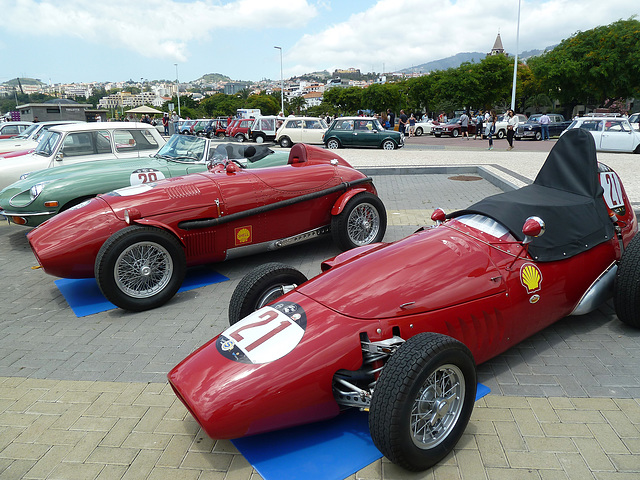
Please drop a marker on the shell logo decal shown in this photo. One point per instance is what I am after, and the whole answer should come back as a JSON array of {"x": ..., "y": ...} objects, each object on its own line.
[
  {"x": 244, "y": 235},
  {"x": 530, "y": 277}
]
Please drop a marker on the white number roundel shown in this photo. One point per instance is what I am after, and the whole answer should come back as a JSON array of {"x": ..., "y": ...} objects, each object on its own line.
[
  {"x": 264, "y": 336},
  {"x": 145, "y": 175}
]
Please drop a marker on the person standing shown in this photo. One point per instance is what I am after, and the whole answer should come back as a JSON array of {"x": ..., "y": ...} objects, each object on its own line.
[
  {"x": 491, "y": 129},
  {"x": 402, "y": 124},
  {"x": 544, "y": 126},
  {"x": 412, "y": 125},
  {"x": 165, "y": 123},
  {"x": 392, "y": 119},
  {"x": 512, "y": 125},
  {"x": 464, "y": 125},
  {"x": 479, "y": 124}
]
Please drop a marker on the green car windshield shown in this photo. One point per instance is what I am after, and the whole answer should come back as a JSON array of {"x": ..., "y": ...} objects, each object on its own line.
[{"x": 184, "y": 149}]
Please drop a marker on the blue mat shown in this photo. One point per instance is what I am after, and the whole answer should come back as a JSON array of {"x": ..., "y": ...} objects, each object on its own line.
[
  {"x": 85, "y": 298},
  {"x": 330, "y": 450}
]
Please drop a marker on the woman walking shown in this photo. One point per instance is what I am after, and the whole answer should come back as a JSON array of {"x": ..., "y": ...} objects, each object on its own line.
[
  {"x": 512, "y": 125},
  {"x": 491, "y": 129}
]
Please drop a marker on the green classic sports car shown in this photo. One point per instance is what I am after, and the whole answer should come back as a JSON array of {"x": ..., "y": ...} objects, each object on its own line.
[{"x": 44, "y": 193}]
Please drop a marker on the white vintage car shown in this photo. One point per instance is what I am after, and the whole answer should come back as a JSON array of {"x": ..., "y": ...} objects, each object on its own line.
[
  {"x": 83, "y": 142},
  {"x": 301, "y": 130},
  {"x": 612, "y": 134},
  {"x": 29, "y": 138}
]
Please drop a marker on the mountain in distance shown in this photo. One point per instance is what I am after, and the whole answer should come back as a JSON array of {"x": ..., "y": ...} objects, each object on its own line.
[
  {"x": 24, "y": 81},
  {"x": 212, "y": 78}
]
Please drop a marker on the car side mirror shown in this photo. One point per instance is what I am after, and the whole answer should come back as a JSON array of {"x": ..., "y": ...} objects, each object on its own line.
[
  {"x": 533, "y": 227},
  {"x": 59, "y": 156}
]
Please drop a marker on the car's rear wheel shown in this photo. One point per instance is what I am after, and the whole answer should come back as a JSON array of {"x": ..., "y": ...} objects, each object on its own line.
[
  {"x": 333, "y": 144},
  {"x": 423, "y": 400},
  {"x": 388, "y": 145},
  {"x": 419, "y": 132},
  {"x": 501, "y": 134},
  {"x": 139, "y": 268},
  {"x": 259, "y": 138},
  {"x": 285, "y": 142},
  {"x": 363, "y": 221},
  {"x": 626, "y": 298},
  {"x": 240, "y": 137},
  {"x": 262, "y": 286}
]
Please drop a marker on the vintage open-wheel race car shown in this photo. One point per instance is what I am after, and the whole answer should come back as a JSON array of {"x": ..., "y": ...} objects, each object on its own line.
[
  {"x": 138, "y": 241},
  {"x": 397, "y": 329}
]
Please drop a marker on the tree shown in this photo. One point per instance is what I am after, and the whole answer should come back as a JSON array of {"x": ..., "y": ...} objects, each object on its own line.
[
  {"x": 597, "y": 67},
  {"x": 379, "y": 97}
]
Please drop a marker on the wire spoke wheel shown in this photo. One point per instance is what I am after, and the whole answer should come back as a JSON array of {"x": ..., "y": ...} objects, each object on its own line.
[
  {"x": 437, "y": 407},
  {"x": 143, "y": 269},
  {"x": 363, "y": 224}
]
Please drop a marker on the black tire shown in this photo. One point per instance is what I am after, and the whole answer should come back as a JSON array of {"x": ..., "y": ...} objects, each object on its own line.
[
  {"x": 388, "y": 145},
  {"x": 455, "y": 133},
  {"x": 220, "y": 135},
  {"x": 501, "y": 134},
  {"x": 285, "y": 142},
  {"x": 260, "y": 138},
  {"x": 162, "y": 278},
  {"x": 419, "y": 132},
  {"x": 261, "y": 286},
  {"x": 363, "y": 221},
  {"x": 408, "y": 400},
  {"x": 626, "y": 295},
  {"x": 538, "y": 136},
  {"x": 333, "y": 144},
  {"x": 240, "y": 137}
]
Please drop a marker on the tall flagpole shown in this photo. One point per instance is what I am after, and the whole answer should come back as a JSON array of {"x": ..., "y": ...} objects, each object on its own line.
[{"x": 515, "y": 63}]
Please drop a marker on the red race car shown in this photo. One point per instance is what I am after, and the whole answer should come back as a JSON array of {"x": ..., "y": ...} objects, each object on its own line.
[
  {"x": 138, "y": 241},
  {"x": 397, "y": 329}
]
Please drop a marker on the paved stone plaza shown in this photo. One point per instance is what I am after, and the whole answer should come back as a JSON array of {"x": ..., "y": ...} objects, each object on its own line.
[{"x": 87, "y": 397}]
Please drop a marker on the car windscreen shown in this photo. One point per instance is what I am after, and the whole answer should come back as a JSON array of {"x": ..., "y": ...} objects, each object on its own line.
[
  {"x": 27, "y": 133},
  {"x": 47, "y": 145},
  {"x": 183, "y": 148}
]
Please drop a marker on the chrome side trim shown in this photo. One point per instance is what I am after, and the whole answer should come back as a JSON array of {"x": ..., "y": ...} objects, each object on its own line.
[
  {"x": 271, "y": 245},
  {"x": 20, "y": 214},
  {"x": 598, "y": 293}
]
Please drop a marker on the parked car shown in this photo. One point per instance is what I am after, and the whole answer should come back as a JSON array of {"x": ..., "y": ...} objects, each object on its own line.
[
  {"x": 453, "y": 128},
  {"x": 28, "y": 139},
  {"x": 239, "y": 129},
  {"x": 216, "y": 128},
  {"x": 184, "y": 128},
  {"x": 532, "y": 128},
  {"x": 611, "y": 134},
  {"x": 361, "y": 132},
  {"x": 397, "y": 329},
  {"x": 200, "y": 127},
  {"x": 501, "y": 124},
  {"x": 634, "y": 121},
  {"x": 424, "y": 126},
  {"x": 83, "y": 142},
  {"x": 264, "y": 128},
  {"x": 11, "y": 129},
  {"x": 40, "y": 195},
  {"x": 207, "y": 217},
  {"x": 301, "y": 130}
]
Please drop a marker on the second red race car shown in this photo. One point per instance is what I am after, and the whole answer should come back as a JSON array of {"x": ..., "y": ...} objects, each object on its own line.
[
  {"x": 138, "y": 241},
  {"x": 397, "y": 329}
]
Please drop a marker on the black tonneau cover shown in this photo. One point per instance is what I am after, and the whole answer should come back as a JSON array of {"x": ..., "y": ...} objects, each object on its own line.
[{"x": 566, "y": 194}]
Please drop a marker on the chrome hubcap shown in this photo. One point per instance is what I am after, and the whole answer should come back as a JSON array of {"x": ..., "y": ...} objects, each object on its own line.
[
  {"x": 363, "y": 224},
  {"x": 143, "y": 269}
]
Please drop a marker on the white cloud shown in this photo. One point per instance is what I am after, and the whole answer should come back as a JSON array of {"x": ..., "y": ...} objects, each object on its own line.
[
  {"x": 152, "y": 28},
  {"x": 401, "y": 33}
]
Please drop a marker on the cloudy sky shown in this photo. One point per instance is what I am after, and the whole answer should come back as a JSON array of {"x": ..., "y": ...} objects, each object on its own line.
[{"x": 62, "y": 41}]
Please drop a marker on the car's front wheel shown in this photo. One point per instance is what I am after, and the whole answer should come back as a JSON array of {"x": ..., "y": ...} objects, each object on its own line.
[
  {"x": 423, "y": 400},
  {"x": 333, "y": 144},
  {"x": 240, "y": 137},
  {"x": 262, "y": 286},
  {"x": 220, "y": 135},
  {"x": 455, "y": 133},
  {"x": 501, "y": 134},
  {"x": 363, "y": 221},
  {"x": 626, "y": 297},
  {"x": 388, "y": 145},
  {"x": 285, "y": 142},
  {"x": 538, "y": 136},
  {"x": 139, "y": 268}
]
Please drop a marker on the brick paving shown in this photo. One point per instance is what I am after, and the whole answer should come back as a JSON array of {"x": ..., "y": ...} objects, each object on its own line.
[{"x": 87, "y": 397}]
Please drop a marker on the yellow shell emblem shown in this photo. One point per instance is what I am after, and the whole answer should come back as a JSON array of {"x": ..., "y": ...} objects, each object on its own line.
[{"x": 530, "y": 277}]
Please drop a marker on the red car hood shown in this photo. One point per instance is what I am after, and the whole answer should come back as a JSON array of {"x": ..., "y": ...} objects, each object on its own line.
[
  {"x": 172, "y": 194},
  {"x": 426, "y": 271}
]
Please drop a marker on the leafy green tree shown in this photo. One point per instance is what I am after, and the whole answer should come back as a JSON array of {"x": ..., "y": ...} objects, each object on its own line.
[
  {"x": 266, "y": 104},
  {"x": 596, "y": 67},
  {"x": 295, "y": 105},
  {"x": 379, "y": 97}
]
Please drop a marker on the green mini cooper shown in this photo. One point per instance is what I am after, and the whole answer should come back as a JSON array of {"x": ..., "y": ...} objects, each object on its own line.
[{"x": 361, "y": 132}]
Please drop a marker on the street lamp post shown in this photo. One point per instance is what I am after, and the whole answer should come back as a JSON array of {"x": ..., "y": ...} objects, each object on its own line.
[
  {"x": 515, "y": 63},
  {"x": 177, "y": 89},
  {"x": 281, "y": 83}
]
